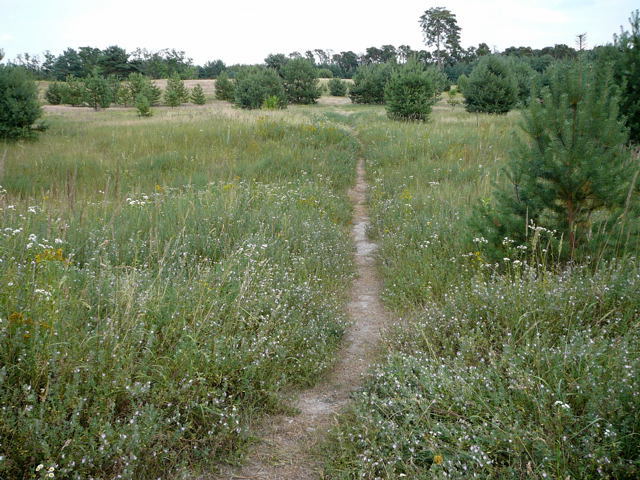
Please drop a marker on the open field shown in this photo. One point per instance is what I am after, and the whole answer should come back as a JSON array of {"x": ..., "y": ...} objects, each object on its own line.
[{"x": 166, "y": 283}]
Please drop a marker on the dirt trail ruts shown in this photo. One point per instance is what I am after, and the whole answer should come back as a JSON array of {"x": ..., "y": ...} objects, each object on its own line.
[{"x": 285, "y": 452}]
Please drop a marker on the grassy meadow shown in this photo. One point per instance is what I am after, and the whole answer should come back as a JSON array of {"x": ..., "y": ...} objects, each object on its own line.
[
  {"x": 515, "y": 369},
  {"x": 165, "y": 282},
  {"x": 162, "y": 282}
]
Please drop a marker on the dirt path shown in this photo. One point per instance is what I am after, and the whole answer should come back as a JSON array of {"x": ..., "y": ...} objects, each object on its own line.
[{"x": 286, "y": 450}]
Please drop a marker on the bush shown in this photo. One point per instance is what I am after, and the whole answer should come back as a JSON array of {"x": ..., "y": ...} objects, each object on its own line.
[
  {"x": 325, "y": 73},
  {"x": 572, "y": 174},
  {"x": 369, "y": 82},
  {"x": 74, "y": 92},
  {"x": 463, "y": 81},
  {"x": 123, "y": 95},
  {"x": 197, "y": 95},
  {"x": 19, "y": 107},
  {"x": 176, "y": 93},
  {"x": 254, "y": 86},
  {"x": 224, "y": 88},
  {"x": 337, "y": 87},
  {"x": 409, "y": 94},
  {"x": 143, "y": 105},
  {"x": 139, "y": 84},
  {"x": 55, "y": 93},
  {"x": 491, "y": 87},
  {"x": 300, "y": 80},
  {"x": 97, "y": 91}
]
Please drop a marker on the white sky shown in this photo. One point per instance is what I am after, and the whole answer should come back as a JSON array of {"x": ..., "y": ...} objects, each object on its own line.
[{"x": 246, "y": 31}]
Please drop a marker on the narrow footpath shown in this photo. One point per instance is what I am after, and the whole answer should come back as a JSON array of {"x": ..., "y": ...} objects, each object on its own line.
[{"x": 287, "y": 442}]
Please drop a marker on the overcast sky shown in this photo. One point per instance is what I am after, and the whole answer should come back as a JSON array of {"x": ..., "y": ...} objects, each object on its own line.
[{"x": 245, "y": 31}]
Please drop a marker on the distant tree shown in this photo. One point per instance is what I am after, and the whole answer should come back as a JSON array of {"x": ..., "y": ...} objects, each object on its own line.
[
  {"x": 628, "y": 75},
  {"x": 571, "y": 173},
  {"x": 197, "y": 95},
  {"x": 276, "y": 61},
  {"x": 253, "y": 86},
  {"x": 97, "y": 91},
  {"x": 491, "y": 87},
  {"x": 440, "y": 29},
  {"x": 300, "y": 79},
  {"x": 143, "y": 105},
  {"x": 581, "y": 41},
  {"x": 348, "y": 63},
  {"x": 175, "y": 93},
  {"x": 114, "y": 61},
  {"x": 19, "y": 107},
  {"x": 123, "y": 95},
  {"x": 89, "y": 57},
  {"x": 224, "y": 88},
  {"x": 483, "y": 49},
  {"x": 369, "y": 82},
  {"x": 68, "y": 63},
  {"x": 337, "y": 87},
  {"x": 211, "y": 69},
  {"x": 410, "y": 93},
  {"x": 324, "y": 73},
  {"x": 1, "y": 54}
]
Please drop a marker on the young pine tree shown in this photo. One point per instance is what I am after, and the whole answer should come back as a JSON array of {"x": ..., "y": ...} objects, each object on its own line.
[
  {"x": 491, "y": 87},
  {"x": 224, "y": 88},
  {"x": 139, "y": 84},
  {"x": 143, "y": 105},
  {"x": 571, "y": 173},
  {"x": 410, "y": 93},
  {"x": 176, "y": 93},
  {"x": 19, "y": 107},
  {"x": 629, "y": 71},
  {"x": 300, "y": 80},
  {"x": 337, "y": 87},
  {"x": 197, "y": 95},
  {"x": 97, "y": 91}
]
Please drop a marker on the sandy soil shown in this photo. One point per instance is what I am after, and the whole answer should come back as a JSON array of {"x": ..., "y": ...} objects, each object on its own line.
[{"x": 285, "y": 450}]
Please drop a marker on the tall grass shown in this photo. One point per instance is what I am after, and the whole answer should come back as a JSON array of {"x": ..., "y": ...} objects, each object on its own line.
[
  {"x": 510, "y": 370},
  {"x": 160, "y": 284}
]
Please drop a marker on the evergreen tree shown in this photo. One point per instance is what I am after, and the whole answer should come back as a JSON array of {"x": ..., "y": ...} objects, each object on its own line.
[
  {"x": 19, "y": 107},
  {"x": 224, "y": 88},
  {"x": 463, "y": 81},
  {"x": 572, "y": 171},
  {"x": 139, "y": 84},
  {"x": 253, "y": 86},
  {"x": 369, "y": 82},
  {"x": 197, "y": 95},
  {"x": 491, "y": 87},
  {"x": 97, "y": 91},
  {"x": 176, "y": 93},
  {"x": 74, "y": 92},
  {"x": 410, "y": 93},
  {"x": 629, "y": 73},
  {"x": 300, "y": 80},
  {"x": 337, "y": 87},
  {"x": 143, "y": 105},
  {"x": 54, "y": 94}
]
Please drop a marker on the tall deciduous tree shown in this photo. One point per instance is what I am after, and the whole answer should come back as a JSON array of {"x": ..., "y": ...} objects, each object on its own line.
[{"x": 441, "y": 30}]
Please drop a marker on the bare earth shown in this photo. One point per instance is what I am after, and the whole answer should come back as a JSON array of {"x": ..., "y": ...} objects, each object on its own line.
[{"x": 285, "y": 451}]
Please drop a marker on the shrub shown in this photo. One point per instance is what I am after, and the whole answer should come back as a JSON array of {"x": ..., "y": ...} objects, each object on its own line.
[
  {"x": 337, "y": 87},
  {"x": 19, "y": 108},
  {"x": 197, "y": 95},
  {"x": 491, "y": 87},
  {"x": 325, "y": 73},
  {"x": 271, "y": 103},
  {"x": 143, "y": 105},
  {"x": 369, "y": 82},
  {"x": 55, "y": 93},
  {"x": 300, "y": 80},
  {"x": 453, "y": 99},
  {"x": 97, "y": 91},
  {"x": 572, "y": 173},
  {"x": 224, "y": 88},
  {"x": 123, "y": 95},
  {"x": 74, "y": 92},
  {"x": 139, "y": 84},
  {"x": 254, "y": 86},
  {"x": 176, "y": 93},
  {"x": 409, "y": 94},
  {"x": 463, "y": 81}
]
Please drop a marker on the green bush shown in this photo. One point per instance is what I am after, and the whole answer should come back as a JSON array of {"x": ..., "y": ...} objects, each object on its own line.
[
  {"x": 225, "y": 88},
  {"x": 463, "y": 81},
  {"x": 143, "y": 105},
  {"x": 254, "y": 86},
  {"x": 410, "y": 93},
  {"x": 525, "y": 77},
  {"x": 300, "y": 80},
  {"x": 197, "y": 95},
  {"x": 55, "y": 93},
  {"x": 176, "y": 93},
  {"x": 325, "y": 73},
  {"x": 140, "y": 84},
  {"x": 491, "y": 88},
  {"x": 369, "y": 82},
  {"x": 337, "y": 87},
  {"x": 74, "y": 92},
  {"x": 97, "y": 91},
  {"x": 571, "y": 174},
  {"x": 19, "y": 107}
]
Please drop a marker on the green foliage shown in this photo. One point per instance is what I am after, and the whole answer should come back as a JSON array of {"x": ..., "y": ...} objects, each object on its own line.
[
  {"x": 572, "y": 174},
  {"x": 453, "y": 97},
  {"x": 337, "y": 87},
  {"x": 629, "y": 73},
  {"x": 97, "y": 91},
  {"x": 369, "y": 83},
  {"x": 463, "y": 81},
  {"x": 140, "y": 84},
  {"x": 123, "y": 95},
  {"x": 300, "y": 80},
  {"x": 440, "y": 29},
  {"x": 55, "y": 93},
  {"x": 19, "y": 107},
  {"x": 271, "y": 103},
  {"x": 225, "y": 88},
  {"x": 325, "y": 73},
  {"x": 74, "y": 92},
  {"x": 176, "y": 93},
  {"x": 491, "y": 88},
  {"x": 143, "y": 105},
  {"x": 410, "y": 93},
  {"x": 525, "y": 78},
  {"x": 254, "y": 86},
  {"x": 197, "y": 95}
]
